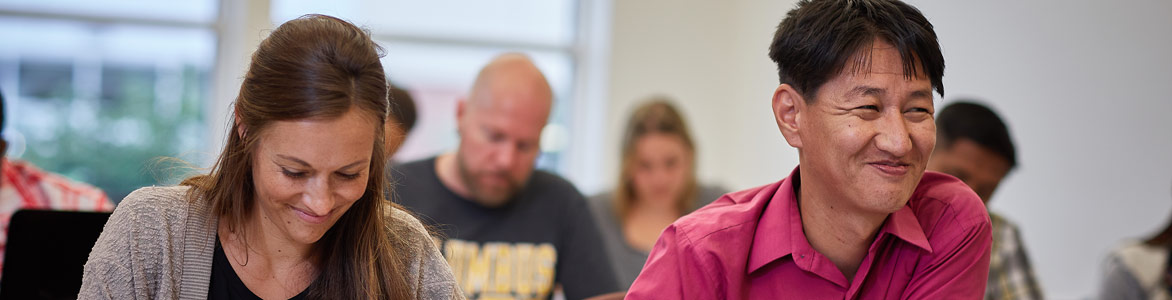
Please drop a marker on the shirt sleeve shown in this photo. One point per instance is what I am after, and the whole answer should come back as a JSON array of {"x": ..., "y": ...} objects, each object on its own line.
[
  {"x": 1016, "y": 279},
  {"x": 1119, "y": 283},
  {"x": 673, "y": 272},
  {"x": 435, "y": 276},
  {"x": 584, "y": 269},
  {"x": 958, "y": 268},
  {"x": 108, "y": 272}
]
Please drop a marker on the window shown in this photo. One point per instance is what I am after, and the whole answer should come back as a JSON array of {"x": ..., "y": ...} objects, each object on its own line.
[
  {"x": 96, "y": 90},
  {"x": 435, "y": 49}
]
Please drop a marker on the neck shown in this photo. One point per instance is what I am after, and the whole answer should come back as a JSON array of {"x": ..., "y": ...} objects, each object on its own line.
[
  {"x": 262, "y": 243},
  {"x": 270, "y": 265},
  {"x": 448, "y": 171},
  {"x": 647, "y": 207},
  {"x": 645, "y": 220},
  {"x": 834, "y": 228}
]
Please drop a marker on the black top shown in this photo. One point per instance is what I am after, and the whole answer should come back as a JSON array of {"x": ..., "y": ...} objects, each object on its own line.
[
  {"x": 542, "y": 236},
  {"x": 227, "y": 285}
]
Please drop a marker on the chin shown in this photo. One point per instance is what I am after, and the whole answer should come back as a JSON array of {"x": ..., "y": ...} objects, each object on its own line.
[
  {"x": 888, "y": 201},
  {"x": 494, "y": 200},
  {"x": 311, "y": 238},
  {"x": 310, "y": 233}
]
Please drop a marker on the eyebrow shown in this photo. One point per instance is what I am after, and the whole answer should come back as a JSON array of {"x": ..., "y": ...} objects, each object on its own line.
[
  {"x": 305, "y": 164},
  {"x": 864, "y": 90},
  {"x": 922, "y": 93}
]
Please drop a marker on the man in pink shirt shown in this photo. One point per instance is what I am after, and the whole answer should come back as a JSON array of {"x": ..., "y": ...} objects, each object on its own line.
[{"x": 860, "y": 218}]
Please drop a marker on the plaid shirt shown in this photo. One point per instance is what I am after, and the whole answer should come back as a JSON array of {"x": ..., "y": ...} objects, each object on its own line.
[
  {"x": 24, "y": 186},
  {"x": 1010, "y": 274}
]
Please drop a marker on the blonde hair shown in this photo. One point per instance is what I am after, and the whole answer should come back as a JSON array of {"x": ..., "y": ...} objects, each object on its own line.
[{"x": 656, "y": 116}]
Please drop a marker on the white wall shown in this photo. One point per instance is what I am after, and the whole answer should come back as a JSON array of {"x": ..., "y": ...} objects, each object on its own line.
[
  {"x": 241, "y": 27},
  {"x": 711, "y": 57},
  {"x": 1086, "y": 87}
]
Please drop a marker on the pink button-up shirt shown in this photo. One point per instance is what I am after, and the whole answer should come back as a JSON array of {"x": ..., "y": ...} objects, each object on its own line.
[{"x": 750, "y": 245}]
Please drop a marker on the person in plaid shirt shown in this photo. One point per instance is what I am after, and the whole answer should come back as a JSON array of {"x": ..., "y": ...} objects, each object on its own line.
[
  {"x": 24, "y": 186},
  {"x": 973, "y": 144}
]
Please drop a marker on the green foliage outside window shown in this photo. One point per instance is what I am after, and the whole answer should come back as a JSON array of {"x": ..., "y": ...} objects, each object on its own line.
[{"x": 141, "y": 114}]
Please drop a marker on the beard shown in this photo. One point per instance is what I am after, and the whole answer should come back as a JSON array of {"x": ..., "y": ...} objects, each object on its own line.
[{"x": 488, "y": 195}]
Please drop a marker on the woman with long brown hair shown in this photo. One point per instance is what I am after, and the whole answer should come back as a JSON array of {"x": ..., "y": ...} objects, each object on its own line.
[
  {"x": 657, "y": 184},
  {"x": 294, "y": 207}
]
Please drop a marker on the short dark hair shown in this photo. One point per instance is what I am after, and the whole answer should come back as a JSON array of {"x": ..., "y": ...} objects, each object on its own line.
[
  {"x": 403, "y": 108},
  {"x": 966, "y": 119},
  {"x": 814, "y": 41}
]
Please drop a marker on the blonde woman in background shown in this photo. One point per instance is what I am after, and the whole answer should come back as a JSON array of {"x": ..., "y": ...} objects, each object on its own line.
[{"x": 657, "y": 184}]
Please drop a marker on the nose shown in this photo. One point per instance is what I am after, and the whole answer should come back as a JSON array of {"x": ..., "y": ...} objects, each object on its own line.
[
  {"x": 893, "y": 136},
  {"x": 506, "y": 155},
  {"x": 662, "y": 176},
  {"x": 317, "y": 196}
]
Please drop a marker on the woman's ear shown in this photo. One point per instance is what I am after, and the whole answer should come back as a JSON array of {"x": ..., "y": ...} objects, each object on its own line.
[
  {"x": 788, "y": 106},
  {"x": 240, "y": 130}
]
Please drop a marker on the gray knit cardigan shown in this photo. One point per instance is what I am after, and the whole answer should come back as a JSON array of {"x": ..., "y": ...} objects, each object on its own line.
[{"x": 159, "y": 245}]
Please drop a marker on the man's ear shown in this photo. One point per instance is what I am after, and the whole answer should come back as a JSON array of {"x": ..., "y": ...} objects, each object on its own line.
[
  {"x": 461, "y": 112},
  {"x": 788, "y": 106}
]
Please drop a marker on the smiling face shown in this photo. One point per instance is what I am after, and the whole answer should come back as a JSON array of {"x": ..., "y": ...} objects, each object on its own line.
[
  {"x": 307, "y": 173},
  {"x": 867, "y": 136}
]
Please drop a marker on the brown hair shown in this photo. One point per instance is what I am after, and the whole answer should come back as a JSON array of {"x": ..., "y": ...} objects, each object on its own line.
[
  {"x": 315, "y": 67},
  {"x": 656, "y": 116}
]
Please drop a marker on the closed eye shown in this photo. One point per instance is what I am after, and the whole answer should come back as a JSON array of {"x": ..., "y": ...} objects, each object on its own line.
[
  {"x": 919, "y": 109},
  {"x": 870, "y": 107},
  {"x": 349, "y": 176},
  {"x": 293, "y": 174}
]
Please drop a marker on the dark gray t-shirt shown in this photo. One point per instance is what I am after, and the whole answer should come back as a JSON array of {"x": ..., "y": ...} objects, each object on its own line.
[
  {"x": 626, "y": 260},
  {"x": 544, "y": 235}
]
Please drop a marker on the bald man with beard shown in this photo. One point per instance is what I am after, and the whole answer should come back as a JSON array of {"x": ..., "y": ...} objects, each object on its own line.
[{"x": 509, "y": 231}]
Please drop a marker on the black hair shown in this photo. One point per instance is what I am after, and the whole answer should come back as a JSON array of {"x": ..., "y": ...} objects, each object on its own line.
[
  {"x": 403, "y": 108},
  {"x": 968, "y": 120},
  {"x": 815, "y": 40}
]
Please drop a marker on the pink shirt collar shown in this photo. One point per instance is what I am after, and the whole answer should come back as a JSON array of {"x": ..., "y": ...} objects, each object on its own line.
[{"x": 785, "y": 217}]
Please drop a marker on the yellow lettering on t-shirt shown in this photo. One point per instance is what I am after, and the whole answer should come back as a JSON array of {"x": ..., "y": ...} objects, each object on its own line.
[
  {"x": 502, "y": 269},
  {"x": 481, "y": 267},
  {"x": 546, "y": 262},
  {"x": 523, "y": 275},
  {"x": 499, "y": 270}
]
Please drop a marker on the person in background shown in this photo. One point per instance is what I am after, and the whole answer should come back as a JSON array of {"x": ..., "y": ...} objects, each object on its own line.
[
  {"x": 657, "y": 184},
  {"x": 1139, "y": 269},
  {"x": 294, "y": 206},
  {"x": 859, "y": 218},
  {"x": 973, "y": 144},
  {"x": 400, "y": 120},
  {"x": 24, "y": 186},
  {"x": 512, "y": 232}
]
